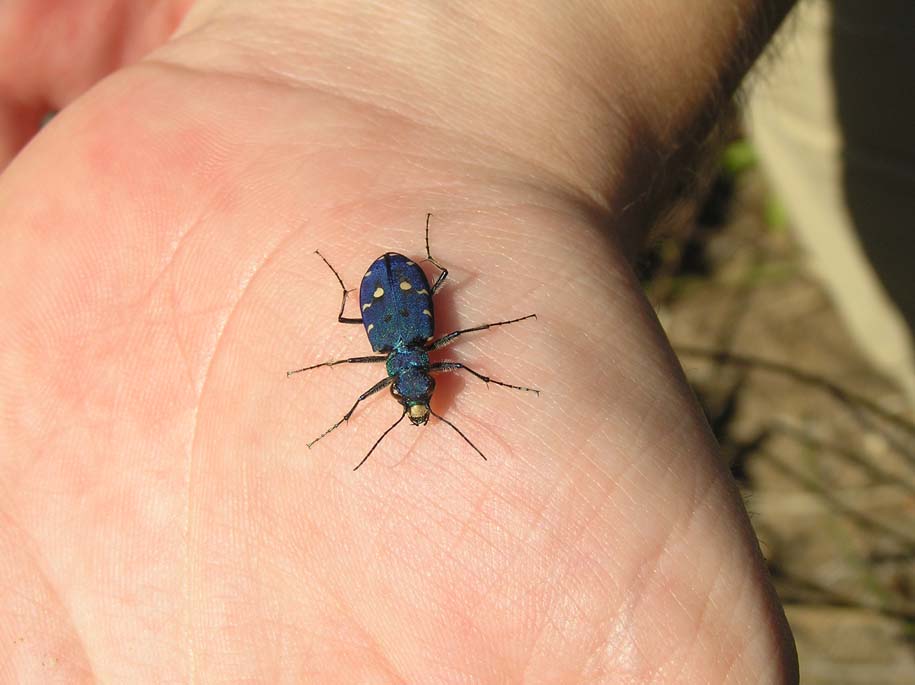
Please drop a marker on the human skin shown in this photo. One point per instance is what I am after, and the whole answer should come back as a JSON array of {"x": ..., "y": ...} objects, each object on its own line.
[{"x": 161, "y": 519}]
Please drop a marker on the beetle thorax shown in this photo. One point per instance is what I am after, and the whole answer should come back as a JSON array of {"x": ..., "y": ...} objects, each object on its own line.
[{"x": 406, "y": 359}]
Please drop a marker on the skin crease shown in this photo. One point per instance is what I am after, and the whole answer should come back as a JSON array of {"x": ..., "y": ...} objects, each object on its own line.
[{"x": 160, "y": 517}]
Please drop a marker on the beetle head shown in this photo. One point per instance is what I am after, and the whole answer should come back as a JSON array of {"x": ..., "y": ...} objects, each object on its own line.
[{"x": 413, "y": 389}]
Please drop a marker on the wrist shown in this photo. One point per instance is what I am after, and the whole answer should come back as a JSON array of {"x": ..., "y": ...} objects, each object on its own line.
[{"x": 591, "y": 98}]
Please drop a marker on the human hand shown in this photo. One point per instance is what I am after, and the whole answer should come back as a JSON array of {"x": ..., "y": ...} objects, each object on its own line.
[{"x": 162, "y": 517}]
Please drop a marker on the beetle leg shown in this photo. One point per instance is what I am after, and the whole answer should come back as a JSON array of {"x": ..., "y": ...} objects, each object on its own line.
[
  {"x": 380, "y": 385},
  {"x": 458, "y": 366},
  {"x": 444, "y": 272},
  {"x": 448, "y": 339},
  {"x": 340, "y": 317},
  {"x": 351, "y": 360}
]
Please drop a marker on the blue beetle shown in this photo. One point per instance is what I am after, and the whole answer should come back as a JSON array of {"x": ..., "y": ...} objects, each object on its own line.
[{"x": 398, "y": 313}]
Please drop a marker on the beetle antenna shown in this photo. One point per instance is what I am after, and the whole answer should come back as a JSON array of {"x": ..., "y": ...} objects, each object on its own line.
[
  {"x": 458, "y": 431},
  {"x": 378, "y": 441}
]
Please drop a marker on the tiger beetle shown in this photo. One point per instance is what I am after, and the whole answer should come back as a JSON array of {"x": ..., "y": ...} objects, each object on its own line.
[{"x": 397, "y": 311}]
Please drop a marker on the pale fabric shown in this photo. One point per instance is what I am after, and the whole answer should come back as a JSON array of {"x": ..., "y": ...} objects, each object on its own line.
[{"x": 832, "y": 113}]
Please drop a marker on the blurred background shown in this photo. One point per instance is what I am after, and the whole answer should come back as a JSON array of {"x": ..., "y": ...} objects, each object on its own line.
[{"x": 786, "y": 287}]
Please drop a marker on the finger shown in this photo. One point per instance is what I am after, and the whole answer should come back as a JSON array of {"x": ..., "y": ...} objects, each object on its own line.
[
  {"x": 18, "y": 123},
  {"x": 51, "y": 52}
]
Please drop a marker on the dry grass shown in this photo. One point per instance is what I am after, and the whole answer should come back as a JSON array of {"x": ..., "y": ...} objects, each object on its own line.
[{"x": 822, "y": 445}]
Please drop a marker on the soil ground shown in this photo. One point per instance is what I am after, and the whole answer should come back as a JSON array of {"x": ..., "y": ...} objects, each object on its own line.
[{"x": 822, "y": 446}]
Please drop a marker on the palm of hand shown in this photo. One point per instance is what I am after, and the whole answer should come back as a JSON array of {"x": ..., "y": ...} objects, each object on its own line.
[{"x": 163, "y": 520}]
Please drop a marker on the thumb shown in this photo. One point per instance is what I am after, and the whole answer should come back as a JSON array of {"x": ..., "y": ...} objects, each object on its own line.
[{"x": 51, "y": 52}]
